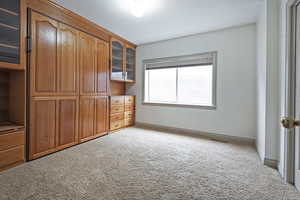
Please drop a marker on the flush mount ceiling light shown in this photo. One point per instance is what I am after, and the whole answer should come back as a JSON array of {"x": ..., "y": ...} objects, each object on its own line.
[{"x": 137, "y": 7}]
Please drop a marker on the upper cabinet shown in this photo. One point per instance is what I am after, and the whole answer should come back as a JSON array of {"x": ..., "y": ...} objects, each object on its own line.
[
  {"x": 130, "y": 64},
  {"x": 117, "y": 60},
  {"x": 122, "y": 61},
  {"x": 12, "y": 34}
]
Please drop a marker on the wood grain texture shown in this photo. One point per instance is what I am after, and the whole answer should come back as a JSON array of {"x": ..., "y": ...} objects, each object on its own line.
[
  {"x": 44, "y": 33},
  {"x": 68, "y": 17},
  {"x": 11, "y": 140},
  {"x": 43, "y": 126},
  {"x": 101, "y": 115},
  {"x": 87, "y": 117},
  {"x": 17, "y": 97},
  {"x": 117, "y": 88},
  {"x": 68, "y": 60},
  {"x": 87, "y": 64},
  {"x": 102, "y": 67},
  {"x": 11, "y": 156},
  {"x": 67, "y": 122}
]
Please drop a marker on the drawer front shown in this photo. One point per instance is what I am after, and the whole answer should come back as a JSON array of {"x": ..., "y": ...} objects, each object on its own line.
[
  {"x": 11, "y": 140},
  {"x": 116, "y": 125},
  {"x": 129, "y": 100},
  {"x": 117, "y": 100},
  {"x": 129, "y": 122},
  {"x": 129, "y": 114},
  {"x": 129, "y": 108},
  {"x": 116, "y": 117},
  {"x": 11, "y": 156},
  {"x": 116, "y": 109}
]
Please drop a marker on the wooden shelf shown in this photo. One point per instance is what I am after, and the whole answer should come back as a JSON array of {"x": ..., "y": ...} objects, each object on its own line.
[
  {"x": 6, "y": 127},
  {"x": 9, "y": 12},
  {"x": 9, "y": 26},
  {"x": 8, "y": 46}
]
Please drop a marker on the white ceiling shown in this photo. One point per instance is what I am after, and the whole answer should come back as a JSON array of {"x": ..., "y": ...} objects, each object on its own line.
[{"x": 165, "y": 19}]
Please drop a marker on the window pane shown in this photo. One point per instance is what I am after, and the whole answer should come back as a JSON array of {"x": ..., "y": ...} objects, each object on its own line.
[
  {"x": 162, "y": 85},
  {"x": 195, "y": 85}
]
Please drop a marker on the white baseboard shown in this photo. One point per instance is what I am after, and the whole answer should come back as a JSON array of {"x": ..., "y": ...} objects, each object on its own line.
[{"x": 195, "y": 133}]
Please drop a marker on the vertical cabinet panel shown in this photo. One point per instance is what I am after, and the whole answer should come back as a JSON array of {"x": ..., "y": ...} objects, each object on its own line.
[
  {"x": 42, "y": 126},
  {"x": 44, "y": 55},
  {"x": 102, "y": 67},
  {"x": 87, "y": 64},
  {"x": 67, "y": 70},
  {"x": 101, "y": 115},
  {"x": 67, "y": 122},
  {"x": 87, "y": 118}
]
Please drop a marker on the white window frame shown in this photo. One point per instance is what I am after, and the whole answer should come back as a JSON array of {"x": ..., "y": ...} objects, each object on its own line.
[{"x": 209, "y": 58}]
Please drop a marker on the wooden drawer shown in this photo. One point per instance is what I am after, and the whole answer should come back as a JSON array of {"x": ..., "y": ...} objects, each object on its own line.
[
  {"x": 116, "y": 109},
  {"x": 11, "y": 140},
  {"x": 129, "y": 114},
  {"x": 129, "y": 108},
  {"x": 11, "y": 156},
  {"x": 116, "y": 117},
  {"x": 129, "y": 122},
  {"x": 129, "y": 100},
  {"x": 116, "y": 125},
  {"x": 117, "y": 100}
]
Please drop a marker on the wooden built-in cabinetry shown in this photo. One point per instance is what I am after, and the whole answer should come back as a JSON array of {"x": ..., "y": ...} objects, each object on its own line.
[
  {"x": 73, "y": 68},
  {"x": 12, "y": 34},
  {"x": 69, "y": 86},
  {"x": 122, "y": 112},
  {"x": 122, "y": 61},
  {"x": 12, "y": 117}
]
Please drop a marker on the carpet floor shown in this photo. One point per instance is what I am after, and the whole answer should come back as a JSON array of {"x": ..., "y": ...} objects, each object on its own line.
[{"x": 139, "y": 164}]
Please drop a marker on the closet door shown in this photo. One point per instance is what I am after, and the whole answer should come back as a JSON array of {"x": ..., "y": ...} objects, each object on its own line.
[
  {"x": 101, "y": 115},
  {"x": 43, "y": 70},
  {"x": 102, "y": 67},
  {"x": 43, "y": 112},
  {"x": 68, "y": 60},
  {"x": 87, "y": 64},
  {"x": 67, "y": 120},
  {"x": 87, "y": 118}
]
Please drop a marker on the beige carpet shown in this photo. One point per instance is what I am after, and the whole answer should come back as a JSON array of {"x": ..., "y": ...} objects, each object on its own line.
[{"x": 143, "y": 165}]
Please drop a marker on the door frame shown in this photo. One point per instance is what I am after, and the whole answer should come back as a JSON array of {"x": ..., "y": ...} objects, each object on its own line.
[{"x": 290, "y": 90}]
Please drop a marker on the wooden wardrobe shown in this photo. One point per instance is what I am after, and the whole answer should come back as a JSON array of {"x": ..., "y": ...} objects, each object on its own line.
[{"x": 69, "y": 77}]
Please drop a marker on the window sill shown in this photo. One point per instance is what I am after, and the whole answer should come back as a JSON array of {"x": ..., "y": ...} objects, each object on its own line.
[{"x": 208, "y": 107}]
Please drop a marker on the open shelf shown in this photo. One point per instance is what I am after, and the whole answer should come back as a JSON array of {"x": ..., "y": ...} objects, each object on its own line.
[{"x": 12, "y": 97}]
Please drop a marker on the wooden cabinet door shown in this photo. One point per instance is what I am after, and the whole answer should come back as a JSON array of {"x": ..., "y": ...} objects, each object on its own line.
[
  {"x": 102, "y": 67},
  {"x": 67, "y": 61},
  {"x": 67, "y": 122},
  {"x": 87, "y": 118},
  {"x": 87, "y": 64},
  {"x": 43, "y": 72},
  {"x": 101, "y": 115},
  {"x": 42, "y": 126}
]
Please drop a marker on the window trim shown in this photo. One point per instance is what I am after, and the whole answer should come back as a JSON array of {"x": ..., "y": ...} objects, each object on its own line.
[{"x": 175, "y": 60}]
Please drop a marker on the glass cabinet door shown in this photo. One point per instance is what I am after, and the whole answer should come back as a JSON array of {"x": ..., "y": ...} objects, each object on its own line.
[
  {"x": 9, "y": 31},
  {"x": 117, "y": 61},
  {"x": 130, "y": 64}
]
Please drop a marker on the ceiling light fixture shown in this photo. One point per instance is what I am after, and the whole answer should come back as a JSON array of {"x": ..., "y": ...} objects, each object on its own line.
[{"x": 137, "y": 8}]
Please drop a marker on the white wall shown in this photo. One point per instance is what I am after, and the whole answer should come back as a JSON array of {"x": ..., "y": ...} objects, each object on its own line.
[
  {"x": 236, "y": 83},
  {"x": 268, "y": 87},
  {"x": 261, "y": 81},
  {"x": 273, "y": 80}
]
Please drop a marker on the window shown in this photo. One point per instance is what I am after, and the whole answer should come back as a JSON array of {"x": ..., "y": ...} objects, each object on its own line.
[{"x": 185, "y": 80}]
